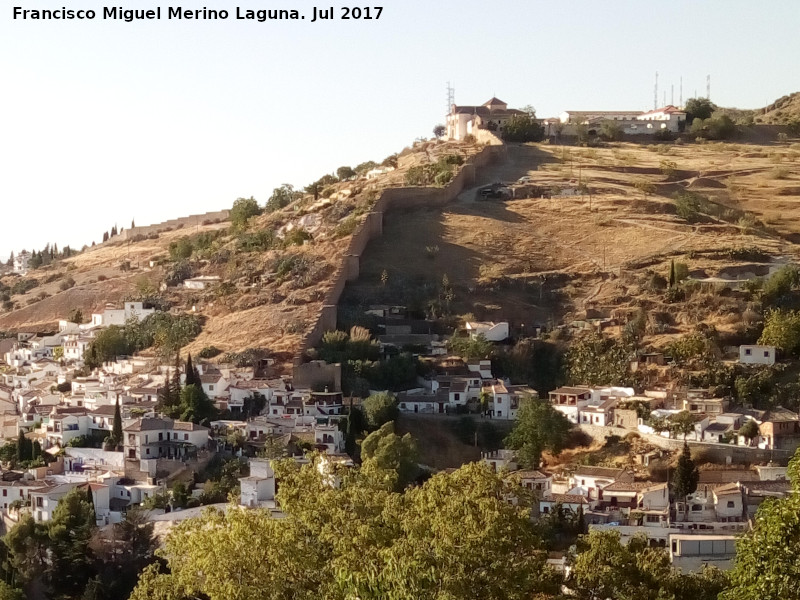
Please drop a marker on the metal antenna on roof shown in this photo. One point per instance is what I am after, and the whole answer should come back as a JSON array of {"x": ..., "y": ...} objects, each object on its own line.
[
  {"x": 708, "y": 87},
  {"x": 451, "y": 95},
  {"x": 655, "y": 93},
  {"x": 672, "y": 95},
  {"x": 681, "y": 91}
]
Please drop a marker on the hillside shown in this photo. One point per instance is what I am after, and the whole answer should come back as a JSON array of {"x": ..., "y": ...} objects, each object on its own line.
[
  {"x": 784, "y": 111},
  {"x": 274, "y": 272},
  {"x": 543, "y": 261}
]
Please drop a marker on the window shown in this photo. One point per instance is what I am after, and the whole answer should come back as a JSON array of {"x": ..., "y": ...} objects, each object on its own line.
[
  {"x": 653, "y": 518},
  {"x": 731, "y": 504},
  {"x": 747, "y": 351},
  {"x": 185, "y": 436},
  {"x": 211, "y": 388},
  {"x": 766, "y": 353},
  {"x": 696, "y": 508},
  {"x": 5, "y": 492}
]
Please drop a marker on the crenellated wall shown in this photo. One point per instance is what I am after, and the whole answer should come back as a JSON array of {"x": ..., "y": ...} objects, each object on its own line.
[
  {"x": 191, "y": 221},
  {"x": 391, "y": 200}
]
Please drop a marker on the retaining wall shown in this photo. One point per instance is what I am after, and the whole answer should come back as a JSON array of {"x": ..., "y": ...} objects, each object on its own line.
[
  {"x": 391, "y": 200},
  {"x": 718, "y": 453}
]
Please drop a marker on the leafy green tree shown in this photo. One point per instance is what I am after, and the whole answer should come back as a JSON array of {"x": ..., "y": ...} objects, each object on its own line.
[
  {"x": 10, "y": 593},
  {"x": 610, "y": 131},
  {"x": 472, "y": 347},
  {"x": 281, "y": 197},
  {"x": 780, "y": 285},
  {"x": 686, "y": 476},
  {"x": 107, "y": 346},
  {"x": 439, "y": 131},
  {"x": 195, "y": 406},
  {"x": 597, "y": 360},
  {"x": 782, "y": 329},
  {"x": 386, "y": 451},
  {"x": 749, "y": 431},
  {"x": 766, "y": 565},
  {"x": 682, "y": 423},
  {"x": 539, "y": 427},
  {"x": 699, "y": 108},
  {"x": 365, "y": 167},
  {"x": 192, "y": 376},
  {"x": 456, "y": 536},
  {"x": 646, "y": 187},
  {"x": 70, "y": 558},
  {"x": 523, "y": 128},
  {"x": 380, "y": 409},
  {"x": 345, "y": 173},
  {"x": 243, "y": 209}
]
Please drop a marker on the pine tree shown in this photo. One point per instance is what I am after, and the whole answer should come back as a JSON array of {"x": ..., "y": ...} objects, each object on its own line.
[
  {"x": 133, "y": 223},
  {"x": 105, "y": 236},
  {"x": 10, "y": 262},
  {"x": 116, "y": 428},
  {"x": 684, "y": 482},
  {"x": 672, "y": 274},
  {"x": 90, "y": 496}
]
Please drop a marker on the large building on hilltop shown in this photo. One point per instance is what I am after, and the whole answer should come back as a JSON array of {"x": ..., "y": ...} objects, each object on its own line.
[{"x": 492, "y": 115}]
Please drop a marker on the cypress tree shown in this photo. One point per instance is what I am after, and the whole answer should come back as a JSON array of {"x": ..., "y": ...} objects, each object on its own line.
[
  {"x": 116, "y": 428},
  {"x": 90, "y": 496},
  {"x": 684, "y": 482},
  {"x": 21, "y": 447},
  {"x": 191, "y": 372},
  {"x": 672, "y": 274}
]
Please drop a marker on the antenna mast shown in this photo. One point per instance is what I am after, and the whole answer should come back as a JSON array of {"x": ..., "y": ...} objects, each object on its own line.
[
  {"x": 708, "y": 87},
  {"x": 681, "y": 100},
  {"x": 451, "y": 95},
  {"x": 655, "y": 93}
]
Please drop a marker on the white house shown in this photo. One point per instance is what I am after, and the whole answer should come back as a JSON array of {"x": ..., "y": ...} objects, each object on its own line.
[
  {"x": 493, "y": 332},
  {"x": 536, "y": 481},
  {"x": 45, "y": 499},
  {"x": 21, "y": 261},
  {"x": 756, "y": 355},
  {"x": 466, "y": 120},
  {"x": 259, "y": 488},
  {"x": 330, "y": 437},
  {"x": 17, "y": 491},
  {"x": 118, "y": 316},
  {"x": 570, "y": 401},
  {"x": 594, "y": 479},
  {"x": 500, "y": 460},
  {"x": 154, "y": 437},
  {"x": 202, "y": 282}
]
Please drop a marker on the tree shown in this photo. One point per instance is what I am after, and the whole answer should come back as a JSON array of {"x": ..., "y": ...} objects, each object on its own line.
[
  {"x": 539, "y": 427},
  {"x": 192, "y": 376},
  {"x": 682, "y": 423},
  {"x": 610, "y": 131},
  {"x": 116, "y": 428},
  {"x": 379, "y": 409},
  {"x": 281, "y": 197},
  {"x": 365, "y": 167},
  {"x": 76, "y": 316},
  {"x": 471, "y": 347},
  {"x": 455, "y": 536},
  {"x": 439, "y": 131},
  {"x": 782, "y": 330},
  {"x": 523, "y": 128},
  {"x": 766, "y": 565},
  {"x": 698, "y": 108},
  {"x": 749, "y": 431},
  {"x": 242, "y": 210},
  {"x": 597, "y": 360},
  {"x": 195, "y": 405},
  {"x": 345, "y": 173},
  {"x": 70, "y": 559},
  {"x": 672, "y": 279},
  {"x": 384, "y": 450},
  {"x": 684, "y": 481}
]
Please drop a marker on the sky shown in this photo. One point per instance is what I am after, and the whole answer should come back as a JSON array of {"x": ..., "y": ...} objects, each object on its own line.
[{"x": 103, "y": 122}]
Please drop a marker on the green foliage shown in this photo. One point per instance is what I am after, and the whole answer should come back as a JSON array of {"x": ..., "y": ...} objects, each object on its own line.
[
  {"x": 522, "y": 128},
  {"x": 530, "y": 362},
  {"x": 779, "y": 285},
  {"x": 539, "y": 427},
  {"x": 611, "y": 131},
  {"x": 23, "y": 286},
  {"x": 180, "y": 249},
  {"x": 296, "y": 237},
  {"x": 697, "y": 347},
  {"x": 682, "y": 423},
  {"x": 380, "y": 409},
  {"x": 782, "y": 330},
  {"x": 686, "y": 476},
  {"x": 766, "y": 566},
  {"x": 439, "y": 130},
  {"x": 281, "y": 197},
  {"x": 688, "y": 205},
  {"x": 607, "y": 568},
  {"x": 699, "y": 108},
  {"x": 345, "y": 173},
  {"x": 257, "y": 241},
  {"x": 472, "y": 347},
  {"x": 195, "y": 406},
  {"x": 714, "y": 128},
  {"x": 456, "y": 536},
  {"x": 597, "y": 360},
  {"x": 365, "y": 167},
  {"x": 242, "y": 210},
  {"x": 209, "y": 352},
  {"x": 646, "y": 187},
  {"x": 749, "y": 430},
  {"x": 385, "y": 451}
]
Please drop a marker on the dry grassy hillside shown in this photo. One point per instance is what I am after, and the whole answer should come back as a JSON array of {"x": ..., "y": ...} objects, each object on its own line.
[
  {"x": 542, "y": 261},
  {"x": 274, "y": 273}
]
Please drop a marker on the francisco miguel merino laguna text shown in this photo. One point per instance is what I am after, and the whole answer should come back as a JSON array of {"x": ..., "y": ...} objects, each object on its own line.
[{"x": 367, "y": 13}]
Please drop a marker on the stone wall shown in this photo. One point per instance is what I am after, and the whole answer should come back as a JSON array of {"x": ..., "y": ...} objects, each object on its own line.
[
  {"x": 391, "y": 200},
  {"x": 717, "y": 453},
  {"x": 172, "y": 224}
]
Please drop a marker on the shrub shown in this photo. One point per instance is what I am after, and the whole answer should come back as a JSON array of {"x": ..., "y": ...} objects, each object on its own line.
[
  {"x": 209, "y": 352},
  {"x": 68, "y": 283}
]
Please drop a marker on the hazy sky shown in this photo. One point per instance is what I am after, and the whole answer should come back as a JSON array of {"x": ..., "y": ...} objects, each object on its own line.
[{"x": 104, "y": 121}]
